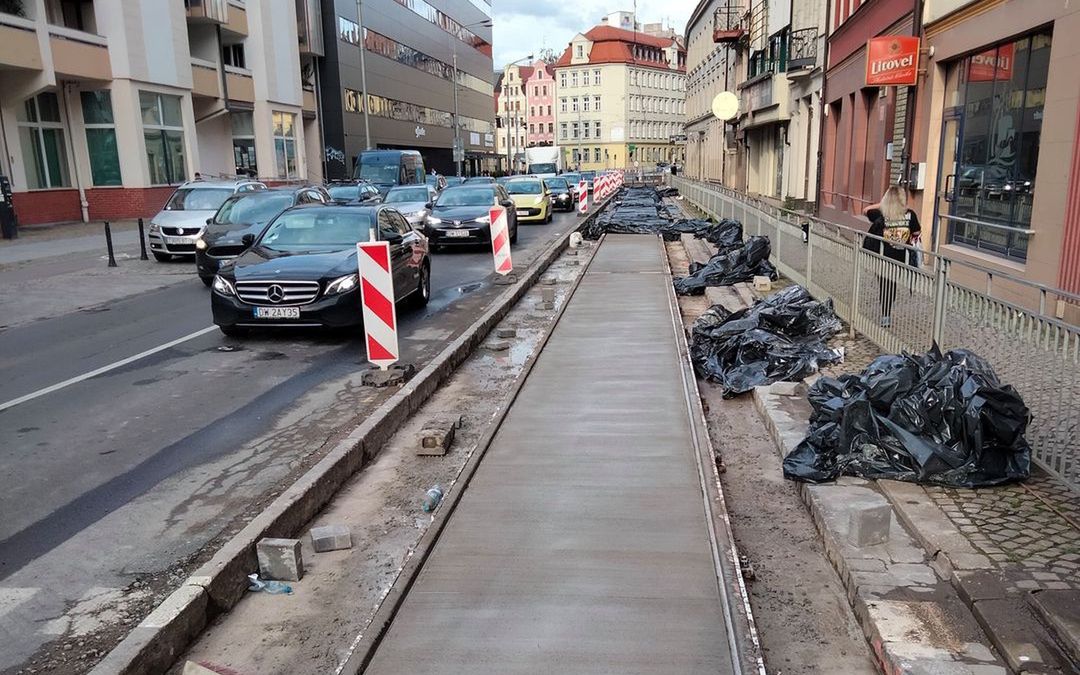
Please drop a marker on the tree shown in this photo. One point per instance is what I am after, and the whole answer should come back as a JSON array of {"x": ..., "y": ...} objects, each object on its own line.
[{"x": 548, "y": 55}]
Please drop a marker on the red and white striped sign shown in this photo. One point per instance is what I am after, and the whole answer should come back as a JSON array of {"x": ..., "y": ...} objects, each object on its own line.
[
  {"x": 377, "y": 295},
  {"x": 500, "y": 241},
  {"x": 582, "y": 198},
  {"x": 605, "y": 186}
]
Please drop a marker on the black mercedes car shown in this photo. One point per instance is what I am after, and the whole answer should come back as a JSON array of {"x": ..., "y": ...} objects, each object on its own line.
[
  {"x": 246, "y": 214},
  {"x": 302, "y": 270},
  {"x": 354, "y": 192},
  {"x": 461, "y": 215},
  {"x": 562, "y": 195}
]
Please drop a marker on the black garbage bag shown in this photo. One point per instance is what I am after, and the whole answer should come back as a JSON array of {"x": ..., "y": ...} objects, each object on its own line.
[
  {"x": 943, "y": 419},
  {"x": 729, "y": 267},
  {"x": 667, "y": 191},
  {"x": 726, "y": 234},
  {"x": 633, "y": 210},
  {"x": 780, "y": 338},
  {"x": 673, "y": 230}
]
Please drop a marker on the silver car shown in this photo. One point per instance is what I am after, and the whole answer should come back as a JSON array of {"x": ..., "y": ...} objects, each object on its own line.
[
  {"x": 175, "y": 228},
  {"x": 411, "y": 201}
]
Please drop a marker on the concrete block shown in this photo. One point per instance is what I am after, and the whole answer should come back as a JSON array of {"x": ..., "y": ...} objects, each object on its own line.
[
  {"x": 435, "y": 439},
  {"x": 547, "y": 294},
  {"x": 394, "y": 375},
  {"x": 786, "y": 388},
  {"x": 331, "y": 538},
  {"x": 505, "y": 332},
  {"x": 869, "y": 524},
  {"x": 497, "y": 346},
  {"x": 549, "y": 281},
  {"x": 280, "y": 559},
  {"x": 762, "y": 284},
  {"x": 505, "y": 279},
  {"x": 1060, "y": 610},
  {"x": 545, "y": 305}
]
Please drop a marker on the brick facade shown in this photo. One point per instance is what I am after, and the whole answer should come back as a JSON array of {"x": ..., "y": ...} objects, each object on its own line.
[{"x": 57, "y": 206}]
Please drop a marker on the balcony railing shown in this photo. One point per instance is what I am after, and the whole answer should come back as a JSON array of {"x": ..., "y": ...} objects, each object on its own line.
[
  {"x": 215, "y": 11},
  {"x": 728, "y": 25},
  {"x": 802, "y": 48}
]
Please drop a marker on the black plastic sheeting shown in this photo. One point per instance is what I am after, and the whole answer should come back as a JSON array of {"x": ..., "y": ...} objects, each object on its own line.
[
  {"x": 943, "y": 419},
  {"x": 633, "y": 210},
  {"x": 781, "y": 338},
  {"x": 729, "y": 267}
]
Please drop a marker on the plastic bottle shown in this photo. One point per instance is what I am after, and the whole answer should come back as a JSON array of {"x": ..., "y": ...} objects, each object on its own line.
[
  {"x": 271, "y": 587},
  {"x": 434, "y": 496}
]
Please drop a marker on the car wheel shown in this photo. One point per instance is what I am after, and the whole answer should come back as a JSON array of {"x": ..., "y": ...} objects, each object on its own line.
[
  {"x": 420, "y": 297},
  {"x": 207, "y": 281},
  {"x": 513, "y": 234},
  {"x": 162, "y": 257},
  {"x": 233, "y": 331},
  {"x": 549, "y": 216}
]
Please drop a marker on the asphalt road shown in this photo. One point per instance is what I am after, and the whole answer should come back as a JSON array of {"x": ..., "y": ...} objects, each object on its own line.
[{"x": 120, "y": 475}]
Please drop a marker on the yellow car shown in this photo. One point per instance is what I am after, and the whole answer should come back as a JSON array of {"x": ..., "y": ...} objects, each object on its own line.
[{"x": 532, "y": 199}]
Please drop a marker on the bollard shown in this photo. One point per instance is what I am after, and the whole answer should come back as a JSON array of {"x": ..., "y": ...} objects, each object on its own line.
[
  {"x": 108, "y": 244},
  {"x": 142, "y": 242}
]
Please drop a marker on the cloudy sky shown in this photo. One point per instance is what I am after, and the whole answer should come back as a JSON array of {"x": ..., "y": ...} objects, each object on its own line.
[{"x": 522, "y": 27}]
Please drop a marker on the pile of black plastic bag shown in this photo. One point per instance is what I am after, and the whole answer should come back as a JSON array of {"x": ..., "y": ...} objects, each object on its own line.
[
  {"x": 634, "y": 210},
  {"x": 737, "y": 263},
  {"x": 935, "y": 418},
  {"x": 781, "y": 338}
]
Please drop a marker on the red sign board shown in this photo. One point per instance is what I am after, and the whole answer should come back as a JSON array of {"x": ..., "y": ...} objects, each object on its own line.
[
  {"x": 993, "y": 64},
  {"x": 892, "y": 60}
]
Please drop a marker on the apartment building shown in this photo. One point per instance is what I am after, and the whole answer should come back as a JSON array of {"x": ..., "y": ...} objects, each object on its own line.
[
  {"x": 512, "y": 116},
  {"x": 621, "y": 98},
  {"x": 540, "y": 93},
  {"x": 106, "y": 106},
  {"x": 424, "y": 67}
]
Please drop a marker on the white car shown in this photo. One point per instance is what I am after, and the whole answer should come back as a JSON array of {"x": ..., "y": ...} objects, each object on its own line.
[
  {"x": 175, "y": 228},
  {"x": 412, "y": 202}
]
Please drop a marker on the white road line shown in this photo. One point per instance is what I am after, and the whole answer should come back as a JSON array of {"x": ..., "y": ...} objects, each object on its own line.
[{"x": 104, "y": 369}]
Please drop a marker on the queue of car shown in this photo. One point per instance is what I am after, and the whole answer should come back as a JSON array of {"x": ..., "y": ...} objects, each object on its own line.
[{"x": 286, "y": 256}]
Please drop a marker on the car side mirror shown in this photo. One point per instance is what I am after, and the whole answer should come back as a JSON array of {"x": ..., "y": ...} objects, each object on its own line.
[
  {"x": 429, "y": 205},
  {"x": 247, "y": 240},
  {"x": 210, "y": 221}
]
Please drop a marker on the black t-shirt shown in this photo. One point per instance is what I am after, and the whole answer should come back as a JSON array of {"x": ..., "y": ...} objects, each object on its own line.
[{"x": 900, "y": 232}]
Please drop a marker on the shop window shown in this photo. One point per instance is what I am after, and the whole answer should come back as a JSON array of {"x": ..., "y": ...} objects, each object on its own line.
[
  {"x": 243, "y": 143},
  {"x": 1003, "y": 90},
  {"x": 101, "y": 137},
  {"x": 285, "y": 144},
  {"x": 163, "y": 132},
  {"x": 41, "y": 135}
]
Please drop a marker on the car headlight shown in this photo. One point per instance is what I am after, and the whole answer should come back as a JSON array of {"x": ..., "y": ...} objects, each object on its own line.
[
  {"x": 486, "y": 220},
  {"x": 222, "y": 285},
  {"x": 342, "y": 284},
  {"x": 434, "y": 221},
  {"x": 200, "y": 244},
  {"x": 418, "y": 214},
  {"x": 155, "y": 228}
]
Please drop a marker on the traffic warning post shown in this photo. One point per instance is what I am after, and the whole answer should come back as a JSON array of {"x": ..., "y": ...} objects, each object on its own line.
[
  {"x": 377, "y": 297},
  {"x": 583, "y": 198},
  {"x": 500, "y": 241}
]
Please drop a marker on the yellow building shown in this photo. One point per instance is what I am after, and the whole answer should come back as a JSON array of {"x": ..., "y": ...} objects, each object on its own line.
[{"x": 620, "y": 99}]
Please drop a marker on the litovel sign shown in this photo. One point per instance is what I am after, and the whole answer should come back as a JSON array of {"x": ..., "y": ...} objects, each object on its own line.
[{"x": 892, "y": 61}]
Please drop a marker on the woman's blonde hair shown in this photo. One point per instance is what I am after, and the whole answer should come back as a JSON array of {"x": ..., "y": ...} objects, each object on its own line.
[{"x": 894, "y": 204}]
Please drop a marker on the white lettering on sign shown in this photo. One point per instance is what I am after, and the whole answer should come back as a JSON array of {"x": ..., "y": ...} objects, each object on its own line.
[
  {"x": 420, "y": 131},
  {"x": 878, "y": 67}
]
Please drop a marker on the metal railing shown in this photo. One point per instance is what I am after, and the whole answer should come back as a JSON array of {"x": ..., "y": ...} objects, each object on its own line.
[
  {"x": 802, "y": 48},
  {"x": 934, "y": 299}
]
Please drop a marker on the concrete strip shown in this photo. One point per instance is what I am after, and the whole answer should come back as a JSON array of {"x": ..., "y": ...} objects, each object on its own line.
[
  {"x": 148, "y": 650},
  {"x": 697, "y": 250}
]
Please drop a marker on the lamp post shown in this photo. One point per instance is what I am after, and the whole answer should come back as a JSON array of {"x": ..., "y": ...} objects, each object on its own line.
[
  {"x": 459, "y": 146},
  {"x": 363, "y": 74},
  {"x": 509, "y": 110}
]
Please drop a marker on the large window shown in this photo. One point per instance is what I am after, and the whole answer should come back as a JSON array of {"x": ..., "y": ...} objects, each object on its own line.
[
  {"x": 163, "y": 131},
  {"x": 41, "y": 135},
  {"x": 101, "y": 137},
  {"x": 243, "y": 142},
  {"x": 285, "y": 144},
  {"x": 1002, "y": 93},
  {"x": 380, "y": 106}
]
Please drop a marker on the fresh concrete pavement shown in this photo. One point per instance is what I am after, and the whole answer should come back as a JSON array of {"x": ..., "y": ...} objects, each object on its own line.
[{"x": 117, "y": 483}]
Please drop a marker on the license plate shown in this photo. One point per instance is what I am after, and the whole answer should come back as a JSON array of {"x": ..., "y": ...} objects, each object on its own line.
[
  {"x": 457, "y": 233},
  {"x": 177, "y": 241},
  {"x": 277, "y": 312},
  {"x": 522, "y": 212}
]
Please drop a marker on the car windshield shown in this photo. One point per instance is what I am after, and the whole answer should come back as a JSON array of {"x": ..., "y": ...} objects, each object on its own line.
[
  {"x": 402, "y": 195},
  {"x": 588, "y": 175},
  {"x": 558, "y": 184},
  {"x": 322, "y": 228},
  {"x": 467, "y": 197},
  {"x": 571, "y": 177},
  {"x": 198, "y": 199},
  {"x": 380, "y": 170},
  {"x": 542, "y": 168},
  {"x": 479, "y": 179},
  {"x": 253, "y": 208},
  {"x": 524, "y": 187},
  {"x": 346, "y": 192}
]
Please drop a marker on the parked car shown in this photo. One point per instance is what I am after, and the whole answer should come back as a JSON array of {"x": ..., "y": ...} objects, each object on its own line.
[
  {"x": 241, "y": 219},
  {"x": 573, "y": 179},
  {"x": 175, "y": 228},
  {"x": 479, "y": 180},
  {"x": 354, "y": 192},
  {"x": 302, "y": 270},
  {"x": 453, "y": 181},
  {"x": 461, "y": 215},
  {"x": 412, "y": 201},
  {"x": 562, "y": 194},
  {"x": 588, "y": 177},
  {"x": 532, "y": 199}
]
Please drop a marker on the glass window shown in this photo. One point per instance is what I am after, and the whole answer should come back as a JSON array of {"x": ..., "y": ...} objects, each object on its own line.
[
  {"x": 41, "y": 136},
  {"x": 574, "y": 129},
  {"x": 596, "y": 154},
  {"x": 596, "y": 77},
  {"x": 285, "y": 144},
  {"x": 584, "y": 78},
  {"x": 562, "y": 104},
  {"x": 302, "y": 230},
  {"x": 1003, "y": 90},
  {"x": 585, "y": 103},
  {"x": 163, "y": 133},
  {"x": 574, "y": 104},
  {"x": 562, "y": 129},
  {"x": 243, "y": 142},
  {"x": 596, "y": 129},
  {"x": 596, "y": 103},
  {"x": 101, "y": 137},
  {"x": 562, "y": 79}
]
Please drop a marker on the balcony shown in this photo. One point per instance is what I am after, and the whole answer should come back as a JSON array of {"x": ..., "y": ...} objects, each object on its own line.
[
  {"x": 309, "y": 27},
  {"x": 238, "y": 21},
  {"x": 728, "y": 25},
  {"x": 18, "y": 43},
  {"x": 310, "y": 104},
  {"x": 241, "y": 86},
  {"x": 205, "y": 78},
  {"x": 79, "y": 55},
  {"x": 802, "y": 51},
  {"x": 207, "y": 11}
]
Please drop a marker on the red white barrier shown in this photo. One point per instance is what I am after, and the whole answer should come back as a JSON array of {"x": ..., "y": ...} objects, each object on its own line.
[
  {"x": 500, "y": 241},
  {"x": 582, "y": 198},
  {"x": 377, "y": 296}
]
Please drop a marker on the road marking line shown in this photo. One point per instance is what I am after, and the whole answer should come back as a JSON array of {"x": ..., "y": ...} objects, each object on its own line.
[{"x": 104, "y": 369}]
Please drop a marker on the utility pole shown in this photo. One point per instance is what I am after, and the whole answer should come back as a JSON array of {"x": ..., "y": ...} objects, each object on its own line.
[
  {"x": 459, "y": 147},
  {"x": 363, "y": 74}
]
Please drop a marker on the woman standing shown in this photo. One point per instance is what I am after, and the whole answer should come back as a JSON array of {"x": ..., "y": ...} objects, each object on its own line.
[{"x": 898, "y": 225}]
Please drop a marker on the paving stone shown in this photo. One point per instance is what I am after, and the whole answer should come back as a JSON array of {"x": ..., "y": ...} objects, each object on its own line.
[
  {"x": 331, "y": 538},
  {"x": 506, "y": 332},
  {"x": 869, "y": 524},
  {"x": 280, "y": 559},
  {"x": 435, "y": 439},
  {"x": 497, "y": 346},
  {"x": 547, "y": 294}
]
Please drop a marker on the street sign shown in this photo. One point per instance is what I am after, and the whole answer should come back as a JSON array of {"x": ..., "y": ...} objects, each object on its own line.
[
  {"x": 500, "y": 241},
  {"x": 459, "y": 150},
  {"x": 377, "y": 298}
]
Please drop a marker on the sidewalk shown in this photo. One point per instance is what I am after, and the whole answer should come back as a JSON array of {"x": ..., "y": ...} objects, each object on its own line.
[
  {"x": 67, "y": 239},
  {"x": 582, "y": 543}
]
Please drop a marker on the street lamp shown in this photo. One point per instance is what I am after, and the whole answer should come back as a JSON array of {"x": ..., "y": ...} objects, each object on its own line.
[
  {"x": 363, "y": 74},
  {"x": 509, "y": 144},
  {"x": 459, "y": 146}
]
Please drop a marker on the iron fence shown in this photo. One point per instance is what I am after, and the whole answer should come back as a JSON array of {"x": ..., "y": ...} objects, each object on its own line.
[{"x": 909, "y": 307}]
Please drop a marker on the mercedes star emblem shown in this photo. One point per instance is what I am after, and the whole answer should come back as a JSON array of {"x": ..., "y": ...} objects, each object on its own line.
[{"x": 275, "y": 293}]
